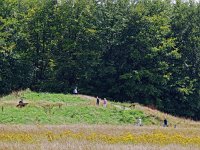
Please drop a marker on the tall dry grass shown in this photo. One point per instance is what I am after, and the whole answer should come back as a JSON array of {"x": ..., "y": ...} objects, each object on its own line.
[
  {"x": 82, "y": 145},
  {"x": 89, "y": 137}
]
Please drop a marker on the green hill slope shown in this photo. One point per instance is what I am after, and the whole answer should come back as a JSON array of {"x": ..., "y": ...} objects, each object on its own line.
[{"x": 46, "y": 108}]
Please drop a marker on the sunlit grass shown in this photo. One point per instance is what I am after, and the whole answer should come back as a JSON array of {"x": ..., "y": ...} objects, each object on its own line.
[
  {"x": 102, "y": 135},
  {"x": 48, "y": 108},
  {"x": 59, "y": 121}
]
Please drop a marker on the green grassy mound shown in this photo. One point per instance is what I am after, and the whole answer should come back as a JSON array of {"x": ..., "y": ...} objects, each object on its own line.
[{"x": 46, "y": 108}]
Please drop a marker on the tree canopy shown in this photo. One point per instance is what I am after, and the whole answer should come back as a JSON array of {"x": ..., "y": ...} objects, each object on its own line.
[{"x": 145, "y": 51}]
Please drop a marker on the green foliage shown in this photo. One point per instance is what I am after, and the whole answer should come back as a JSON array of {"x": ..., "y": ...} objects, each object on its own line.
[
  {"x": 43, "y": 109},
  {"x": 69, "y": 115},
  {"x": 138, "y": 51}
]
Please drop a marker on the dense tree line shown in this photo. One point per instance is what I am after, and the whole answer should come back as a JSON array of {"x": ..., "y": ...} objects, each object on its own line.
[{"x": 145, "y": 51}]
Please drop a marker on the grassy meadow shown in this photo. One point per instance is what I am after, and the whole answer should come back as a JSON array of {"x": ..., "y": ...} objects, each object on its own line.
[
  {"x": 89, "y": 137},
  {"x": 64, "y": 121},
  {"x": 45, "y": 108}
]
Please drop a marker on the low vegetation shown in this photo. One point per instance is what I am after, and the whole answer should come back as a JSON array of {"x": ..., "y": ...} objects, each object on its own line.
[
  {"x": 97, "y": 137},
  {"x": 46, "y": 108},
  {"x": 64, "y": 121}
]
